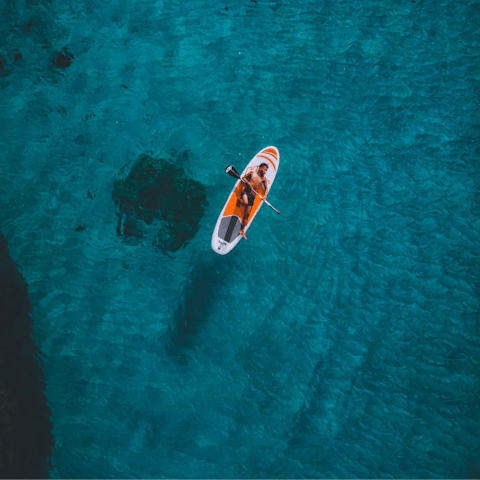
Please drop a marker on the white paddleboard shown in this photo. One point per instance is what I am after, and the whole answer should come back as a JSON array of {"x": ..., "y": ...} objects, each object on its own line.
[{"x": 225, "y": 235}]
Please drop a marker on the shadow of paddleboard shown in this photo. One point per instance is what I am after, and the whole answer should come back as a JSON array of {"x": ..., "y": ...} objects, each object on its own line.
[{"x": 203, "y": 290}]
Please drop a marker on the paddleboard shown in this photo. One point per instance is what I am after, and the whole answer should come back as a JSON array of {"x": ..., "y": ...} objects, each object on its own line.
[{"x": 225, "y": 235}]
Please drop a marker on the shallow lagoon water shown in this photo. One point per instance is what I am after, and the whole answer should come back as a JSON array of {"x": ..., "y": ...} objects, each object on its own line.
[{"x": 340, "y": 340}]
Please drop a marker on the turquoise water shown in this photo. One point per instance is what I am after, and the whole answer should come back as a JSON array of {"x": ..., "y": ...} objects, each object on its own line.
[{"x": 341, "y": 339}]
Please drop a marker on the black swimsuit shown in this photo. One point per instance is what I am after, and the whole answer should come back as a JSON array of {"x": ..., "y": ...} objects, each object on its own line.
[{"x": 250, "y": 195}]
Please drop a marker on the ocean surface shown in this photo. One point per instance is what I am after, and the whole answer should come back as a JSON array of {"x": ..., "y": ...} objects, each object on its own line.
[{"x": 342, "y": 340}]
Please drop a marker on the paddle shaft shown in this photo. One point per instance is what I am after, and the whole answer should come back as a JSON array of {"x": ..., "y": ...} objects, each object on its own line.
[{"x": 272, "y": 207}]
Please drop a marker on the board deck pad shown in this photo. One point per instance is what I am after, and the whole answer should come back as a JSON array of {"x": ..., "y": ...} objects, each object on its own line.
[{"x": 229, "y": 228}]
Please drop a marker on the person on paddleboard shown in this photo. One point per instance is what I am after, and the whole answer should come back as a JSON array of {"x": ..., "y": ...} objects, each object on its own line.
[{"x": 253, "y": 180}]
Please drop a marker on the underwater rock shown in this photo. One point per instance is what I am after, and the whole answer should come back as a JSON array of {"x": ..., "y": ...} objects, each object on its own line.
[
  {"x": 26, "y": 439},
  {"x": 160, "y": 200},
  {"x": 3, "y": 71},
  {"x": 64, "y": 59}
]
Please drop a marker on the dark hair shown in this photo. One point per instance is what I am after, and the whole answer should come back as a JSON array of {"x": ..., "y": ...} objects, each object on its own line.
[{"x": 262, "y": 165}]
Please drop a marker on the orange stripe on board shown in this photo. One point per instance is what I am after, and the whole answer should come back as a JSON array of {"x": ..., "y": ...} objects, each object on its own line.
[{"x": 271, "y": 151}]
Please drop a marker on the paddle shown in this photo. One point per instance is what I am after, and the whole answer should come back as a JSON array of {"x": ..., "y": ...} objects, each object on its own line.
[{"x": 232, "y": 171}]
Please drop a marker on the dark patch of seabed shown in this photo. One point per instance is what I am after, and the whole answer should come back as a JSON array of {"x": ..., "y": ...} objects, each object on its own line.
[
  {"x": 159, "y": 200},
  {"x": 26, "y": 439}
]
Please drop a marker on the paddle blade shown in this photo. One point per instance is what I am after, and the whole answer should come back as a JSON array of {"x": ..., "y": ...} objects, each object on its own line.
[{"x": 232, "y": 171}]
